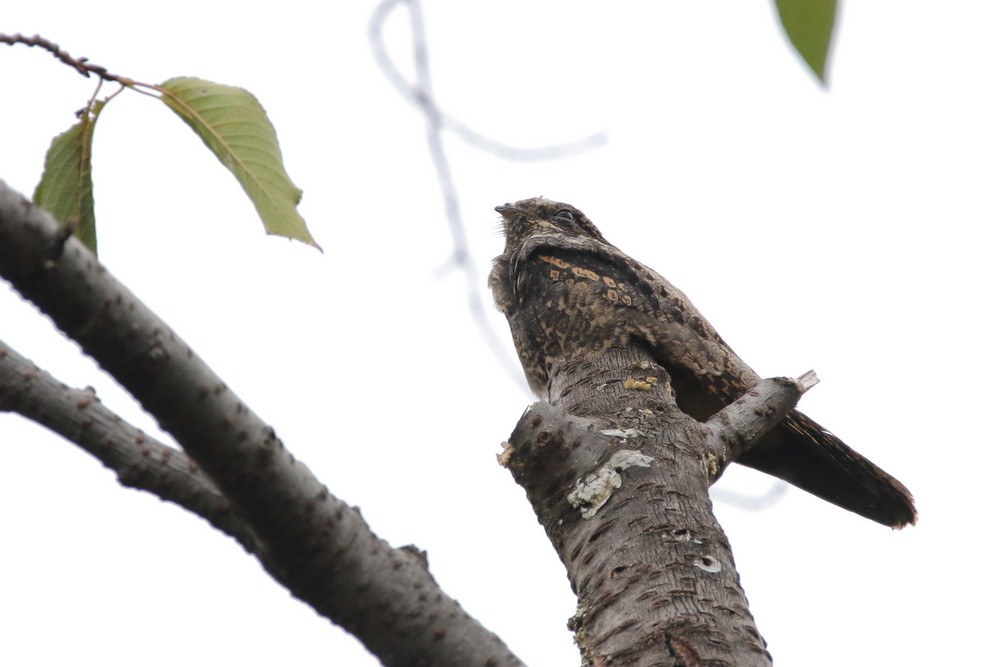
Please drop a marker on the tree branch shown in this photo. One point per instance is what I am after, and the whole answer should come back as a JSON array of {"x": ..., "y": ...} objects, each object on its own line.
[
  {"x": 618, "y": 477},
  {"x": 79, "y": 64},
  {"x": 420, "y": 94},
  {"x": 313, "y": 543},
  {"x": 140, "y": 461},
  {"x": 735, "y": 428}
]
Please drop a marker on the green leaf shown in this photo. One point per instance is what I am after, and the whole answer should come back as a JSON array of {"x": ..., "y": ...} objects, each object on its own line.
[
  {"x": 809, "y": 26},
  {"x": 66, "y": 189},
  {"x": 233, "y": 124}
]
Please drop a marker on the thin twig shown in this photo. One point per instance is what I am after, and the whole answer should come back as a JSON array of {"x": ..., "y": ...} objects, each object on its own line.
[
  {"x": 422, "y": 100},
  {"x": 420, "y": 95},
  {"x": 751, "y": 503},
  {"x": 79, "y": 64}
]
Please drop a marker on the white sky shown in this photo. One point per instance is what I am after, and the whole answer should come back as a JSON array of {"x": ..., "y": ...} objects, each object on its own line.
[{"x": 848, "y": 230}]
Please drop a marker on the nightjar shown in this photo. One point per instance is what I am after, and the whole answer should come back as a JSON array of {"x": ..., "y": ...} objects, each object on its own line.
[{"x": 567, "y": 293}]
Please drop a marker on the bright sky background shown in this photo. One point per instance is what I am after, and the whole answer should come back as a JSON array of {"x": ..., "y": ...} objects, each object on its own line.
[{"x": 849, "y": 230}]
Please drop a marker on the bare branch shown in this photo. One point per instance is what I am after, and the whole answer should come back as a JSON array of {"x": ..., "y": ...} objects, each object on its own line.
[
  {"x": 735, "y": 428},
  {"x": 140, "y": 461},
  {"x": 310, "y": 541},
  {"x": 618, "y": 475},
  {"x": 421, "y": 95},
  {"x": 79, "y": 64}
]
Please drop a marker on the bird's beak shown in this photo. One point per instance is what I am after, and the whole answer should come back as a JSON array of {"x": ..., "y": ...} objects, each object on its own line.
[{"x": 506, "y": 210}]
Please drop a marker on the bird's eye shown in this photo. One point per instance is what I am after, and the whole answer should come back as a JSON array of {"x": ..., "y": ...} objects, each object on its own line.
[{"x": 565, "y": 214}]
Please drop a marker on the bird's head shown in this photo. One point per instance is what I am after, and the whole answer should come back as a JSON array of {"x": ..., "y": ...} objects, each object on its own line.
[{"x": 539, "y": 216}]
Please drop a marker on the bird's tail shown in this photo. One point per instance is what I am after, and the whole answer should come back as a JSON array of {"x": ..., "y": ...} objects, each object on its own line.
[{"x": 803, "y": 453}]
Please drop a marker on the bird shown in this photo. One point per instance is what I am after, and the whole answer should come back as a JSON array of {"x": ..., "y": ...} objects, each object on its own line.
[{"x": 567, "y": 292}]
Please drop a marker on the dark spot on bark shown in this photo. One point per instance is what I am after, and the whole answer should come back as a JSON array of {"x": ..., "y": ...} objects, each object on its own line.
[{"x": 603, "y": 528}]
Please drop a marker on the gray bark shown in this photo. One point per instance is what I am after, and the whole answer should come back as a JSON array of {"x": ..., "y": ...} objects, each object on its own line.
[
  {"x": 618, "y": 477},
  {"x": 307, "y": 539}
]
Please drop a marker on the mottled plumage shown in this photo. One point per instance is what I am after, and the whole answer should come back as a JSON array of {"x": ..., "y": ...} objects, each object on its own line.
[{"x": 567, "y": 292}]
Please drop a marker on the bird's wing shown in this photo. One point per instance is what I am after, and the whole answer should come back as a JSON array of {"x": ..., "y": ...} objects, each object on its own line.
[{"x": 705, "y": 372}]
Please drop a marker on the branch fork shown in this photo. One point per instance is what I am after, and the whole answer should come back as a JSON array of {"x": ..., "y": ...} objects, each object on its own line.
[{"x": 618, "y": 477}]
